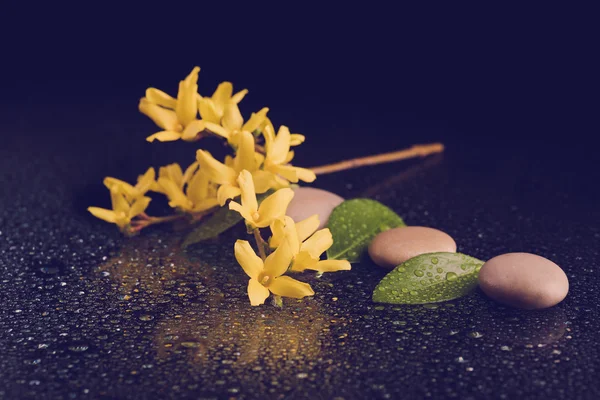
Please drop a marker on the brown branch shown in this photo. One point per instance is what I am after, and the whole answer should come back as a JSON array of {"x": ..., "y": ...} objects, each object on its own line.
[{"x": 419, "y": 150}]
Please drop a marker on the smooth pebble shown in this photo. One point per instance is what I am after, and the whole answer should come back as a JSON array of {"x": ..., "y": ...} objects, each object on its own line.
[
  {"x": 309, "y": 201},
  {"x": 394, "y": 246},
  {"x": 523, "y": 280}
]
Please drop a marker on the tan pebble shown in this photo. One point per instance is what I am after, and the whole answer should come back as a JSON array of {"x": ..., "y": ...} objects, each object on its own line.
[
  {"x": 309, "y": 201},
  {"x": 524, "y": 280},
  {"x": 394, "y": 246}
]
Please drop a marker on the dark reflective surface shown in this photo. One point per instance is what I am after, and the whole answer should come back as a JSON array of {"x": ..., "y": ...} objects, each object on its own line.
[{"x": 89, "y": 314}]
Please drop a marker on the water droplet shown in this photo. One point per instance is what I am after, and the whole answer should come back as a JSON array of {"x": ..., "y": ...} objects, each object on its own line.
[
  {"x": 79, "y": 348},
  {"x": 302, "y": 375},
  {"x": 451, "y": 276},
  {"x": 146, "y": 317},
  {"x": 434, "y": 260},
  {"x": 476, "y": 334},
  {"x": 439, "y": 270},
  {"x": 190, "y": 345},
  {"x": 419, "y": 273}
]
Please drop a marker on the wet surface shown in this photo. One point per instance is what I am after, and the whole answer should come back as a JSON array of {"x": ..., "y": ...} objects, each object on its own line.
[{"x": 89, "y": 314}]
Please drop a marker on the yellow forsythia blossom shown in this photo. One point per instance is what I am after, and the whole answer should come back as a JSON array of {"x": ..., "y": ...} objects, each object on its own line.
[
  {"x": 266, "y": 277},
  {"x": 270, "y": 209},
  {"x": 279, "y": 156},
  {"x": 307, "y": 245},
  {"x": 122, "y": 210},
  {"x": 177, "y": 117},
  {"x": 226, "y": 175},
  {"x": 212, "y": 108},
  {"x": 295, "y": 138},
  {"x": 144, "y": 183},
  {"x": 191, "y": 191},
  {"x": 232, "y": 123}
]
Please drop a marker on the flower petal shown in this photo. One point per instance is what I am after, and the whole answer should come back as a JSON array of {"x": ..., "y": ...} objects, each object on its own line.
[
  {"x": 243, "y": 212},
  {"x": 187, "y": 106},
  {"x": 303, "y": 261},
  {"x": 286, "y": 171},
  {"x": 285, "y": 229},
  {"x": 263, "y": 181},
  {"x": 257, "y": 293},
  {"x": 239, "y": 96},
  {"x": 160, "y": 98},
  {"x": 290, "y": 287},
  {"x": 164, "y": 136},
  {"x": 208, "y": 111},
  {"x": 227, "y": 192},
  {"x": 205, "y": 204},
  {"x": 246, "y": 184},
  {"x": 296, "y": 139},
  {"x": 197, "y": 188},
  {"x": 103, "y": 214},
  {"x": 256, "y": 120},
  {"x": 217, "y": 129},
  {"x": 144, "y": 182},
  {"x": 244, "y": 155},
  {"x": 172, "y": 172},
  {"x": 307, "y": 227},
  {"x": 217, "y": 172},
  {"x": 176, "y": 196},
  {"x": 281, "y": 146},
  {"x": 331, "y": 266},
  {"x": 189, "y": 172},
  {"x": 166, "y": 119},
  {"x": 232, "y": 118},
  {"x": 119, "y": 203},
  {"x": 318, "y": 243},
  {"x": 273, "y": 207},
  {"x": 192, "y": 130},
  {"x": 277, "y": 262},
  {"x": 139, "y": 206},
  {"x": 122, "y": 186},
  {"x": 305, "y": 174},
  {"x": 222, "y": 95},
  {"x": 247, "y": 258}
]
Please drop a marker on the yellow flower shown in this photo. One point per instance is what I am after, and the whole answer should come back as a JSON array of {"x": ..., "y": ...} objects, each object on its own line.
[
  {"x": 122, "y": 211},
  {"x": 212, "y": 108},
  {"x": 307, "y": 245},
  {"x": 226, "y": 174},
  {"x": 279, "y": 156},
  {"x": 266, "y": 277},
  {"x": 232, "y": 123},
  {"x": 191, "y": 191},
  {"x": 177, "y": 117},
  {"x": 295, "y": 138},
  {"x": 270, "y": 209},
  {"x": 144, "y": 183}
]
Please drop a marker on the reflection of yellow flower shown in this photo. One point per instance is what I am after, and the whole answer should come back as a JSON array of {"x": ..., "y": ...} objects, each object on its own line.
[
  {"x": 306, "y": 244},
  {"x": 232, "y": 123},
  {"x": 177, "y": 117},
  {"x": 144, "y": 183},
  {"x": 279, "y": 156},
  {"x": 266, "y": 277},
  {"x": 191, "y": 191},
  {"x": 226, "y": 174},
  {"x": 270, "y": 209},
  {"x": 212, "y": 108},
  {"x": 122, "y": 211}
]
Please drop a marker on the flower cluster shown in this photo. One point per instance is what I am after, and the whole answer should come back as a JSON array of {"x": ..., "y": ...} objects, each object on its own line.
[{"x": 261, "y": 163}]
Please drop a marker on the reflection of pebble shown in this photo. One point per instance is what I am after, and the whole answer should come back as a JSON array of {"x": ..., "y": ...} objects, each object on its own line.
[
  {"x": 524, "y": 280},
  {"x": 309, "y": 201},
  {"x": 394, "y": 246}
]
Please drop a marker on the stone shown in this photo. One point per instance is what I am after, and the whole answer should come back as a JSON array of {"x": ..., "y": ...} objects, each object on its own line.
[
  {"x": 392, "y": 247},
  {"x": 309, "y": 201},
  {"x": 523, "y": 280}
]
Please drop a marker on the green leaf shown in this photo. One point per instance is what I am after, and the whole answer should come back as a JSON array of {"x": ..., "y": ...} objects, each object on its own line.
[
  {"x": 353, "y": 225},
  {"x": 217, "y": 223},
  {"x": 429, "y": 278}
]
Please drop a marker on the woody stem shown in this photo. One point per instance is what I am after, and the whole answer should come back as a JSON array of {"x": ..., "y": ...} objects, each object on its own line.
[
  {"x": 260, "y": 243},
  {"x": 419, "y": 150}
]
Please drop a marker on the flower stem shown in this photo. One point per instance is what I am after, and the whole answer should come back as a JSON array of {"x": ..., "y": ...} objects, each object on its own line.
[
  {"x": 260, "y": 243},
  {"x": 419, "y": 150}
]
